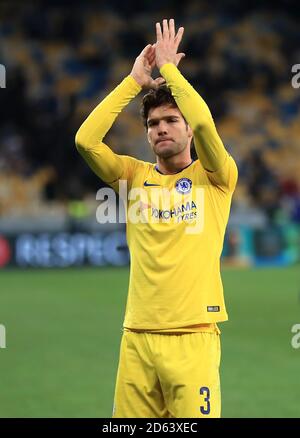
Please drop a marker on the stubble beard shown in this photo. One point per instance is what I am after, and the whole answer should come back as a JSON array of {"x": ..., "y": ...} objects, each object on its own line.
[{"x": 168, "y": 152}]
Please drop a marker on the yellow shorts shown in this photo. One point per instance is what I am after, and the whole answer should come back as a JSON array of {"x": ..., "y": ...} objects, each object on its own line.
[{"x": 165, "y": 376}]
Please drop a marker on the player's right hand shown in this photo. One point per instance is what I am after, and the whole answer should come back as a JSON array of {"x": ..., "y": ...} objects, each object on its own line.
[{"x": 143, "y": 66}]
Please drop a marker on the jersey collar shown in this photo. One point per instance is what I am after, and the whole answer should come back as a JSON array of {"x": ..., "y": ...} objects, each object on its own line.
[{"x": 157, "y": 169}]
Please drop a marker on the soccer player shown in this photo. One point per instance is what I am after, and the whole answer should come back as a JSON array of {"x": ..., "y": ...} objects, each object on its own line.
[{"x": 170, "y": 348}]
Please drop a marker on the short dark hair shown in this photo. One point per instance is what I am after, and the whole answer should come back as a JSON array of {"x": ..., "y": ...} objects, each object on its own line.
[{"x": 155, "y": 98}]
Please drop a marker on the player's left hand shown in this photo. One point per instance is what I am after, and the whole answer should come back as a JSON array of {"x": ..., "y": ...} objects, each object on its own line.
[{"x": 167, "y": 44}]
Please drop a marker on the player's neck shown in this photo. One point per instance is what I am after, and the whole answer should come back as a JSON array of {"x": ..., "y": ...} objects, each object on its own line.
[{"x": 174, "y": 164}]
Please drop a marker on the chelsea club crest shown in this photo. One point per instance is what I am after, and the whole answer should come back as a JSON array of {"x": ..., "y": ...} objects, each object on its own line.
[{"x": 183, "y": 185}]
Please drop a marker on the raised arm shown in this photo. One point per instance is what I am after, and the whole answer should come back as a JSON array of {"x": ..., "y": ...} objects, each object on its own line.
[
  {"x": 220, "y": 167},
  {"x": 104, "y": 162}
]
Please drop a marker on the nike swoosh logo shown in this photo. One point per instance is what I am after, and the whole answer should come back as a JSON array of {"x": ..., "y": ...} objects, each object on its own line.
[{"x": 146, "y": 184}]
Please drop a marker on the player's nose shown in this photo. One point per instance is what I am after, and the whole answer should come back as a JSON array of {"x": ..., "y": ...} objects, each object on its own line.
[{"x": 162, "y": 128}]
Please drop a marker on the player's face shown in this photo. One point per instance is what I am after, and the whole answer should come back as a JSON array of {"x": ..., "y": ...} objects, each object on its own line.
[{"x": 167, "y": 132}]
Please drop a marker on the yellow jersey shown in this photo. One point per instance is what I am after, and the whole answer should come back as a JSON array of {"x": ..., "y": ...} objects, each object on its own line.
[
  {"x": 175, "y": 241},
  {"x": 175, "y": 251}
]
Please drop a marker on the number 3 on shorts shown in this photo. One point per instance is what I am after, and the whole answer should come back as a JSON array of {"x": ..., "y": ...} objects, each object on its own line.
[{"x": 205, "y": 409}]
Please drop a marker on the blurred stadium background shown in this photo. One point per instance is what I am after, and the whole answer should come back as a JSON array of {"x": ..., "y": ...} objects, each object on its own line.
[{"x": 63, "y": 278}]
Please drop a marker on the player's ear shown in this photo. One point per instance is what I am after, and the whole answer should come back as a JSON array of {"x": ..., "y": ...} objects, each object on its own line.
[{"x": 190, "y": 131}]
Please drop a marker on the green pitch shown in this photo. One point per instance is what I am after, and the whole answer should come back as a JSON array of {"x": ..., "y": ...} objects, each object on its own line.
[{"x": 63, "y": 330}]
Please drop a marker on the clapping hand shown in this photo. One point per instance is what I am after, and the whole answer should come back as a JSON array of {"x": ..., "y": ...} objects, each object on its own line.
[
  {"x": 162, "y": 52},
  {"x": 143, "y": 67},
  {"x": 167, "y": 43}
]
